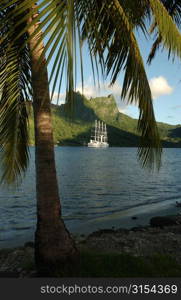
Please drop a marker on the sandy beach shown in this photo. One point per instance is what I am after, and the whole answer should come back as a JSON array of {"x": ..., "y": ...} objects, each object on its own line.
[{"x": 133, "y": 217}]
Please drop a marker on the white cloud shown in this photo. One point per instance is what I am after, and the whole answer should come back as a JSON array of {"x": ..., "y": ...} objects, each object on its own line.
[
  {"x": 159, "y": 87},
  {"x": 103, "y": 90},
  {"x": 60, "y": 97},
  {"x": 114, "y": 89},
  {"x": 88, "y": 90}
]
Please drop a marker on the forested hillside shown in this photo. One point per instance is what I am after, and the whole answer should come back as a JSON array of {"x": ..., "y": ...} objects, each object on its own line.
[{"x": 122, "y": 129}]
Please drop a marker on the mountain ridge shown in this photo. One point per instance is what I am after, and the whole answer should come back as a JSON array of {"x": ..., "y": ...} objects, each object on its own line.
[{"x": 122, "y": 129}]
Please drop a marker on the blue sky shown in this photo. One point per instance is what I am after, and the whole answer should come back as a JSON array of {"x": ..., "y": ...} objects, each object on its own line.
[{"x": 165, "y": 82}]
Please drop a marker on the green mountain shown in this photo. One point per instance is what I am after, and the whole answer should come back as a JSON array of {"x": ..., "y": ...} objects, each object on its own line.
[{"x": 122, "y": 129}]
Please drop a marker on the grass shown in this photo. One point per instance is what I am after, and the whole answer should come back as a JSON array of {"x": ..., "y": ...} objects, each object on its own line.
[{"x": 93, "y": 264}]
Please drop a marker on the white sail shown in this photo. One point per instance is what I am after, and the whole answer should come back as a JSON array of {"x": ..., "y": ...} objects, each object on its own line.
[{"x": 99, "y": 136}]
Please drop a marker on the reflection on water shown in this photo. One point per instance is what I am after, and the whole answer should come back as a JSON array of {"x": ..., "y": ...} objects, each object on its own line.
[{"x": 95, "y": 185}]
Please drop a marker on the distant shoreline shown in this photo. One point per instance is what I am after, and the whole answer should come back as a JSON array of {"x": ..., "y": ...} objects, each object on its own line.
[{"x": 173, "y": 146}]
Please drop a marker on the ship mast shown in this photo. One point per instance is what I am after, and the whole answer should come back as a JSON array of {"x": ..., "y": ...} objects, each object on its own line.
[
  {"x": 95, "y": 130},
  {"x": 105, "y": 133},
  {"x": 102, "y": 131},
  {"x": 99, "y": 131}
]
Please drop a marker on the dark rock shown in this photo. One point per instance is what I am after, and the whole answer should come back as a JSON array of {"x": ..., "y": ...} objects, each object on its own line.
[
  {"x": 101, "y": 231},
  {"x": 163, "y": 221},
  {"x": 123, "y": 230},
  {"x": 29, "y": 244},
  {"x": 138, "y": 228},
  {"x": 178, "y": 204},
  {"x": 134, "y": 218}
]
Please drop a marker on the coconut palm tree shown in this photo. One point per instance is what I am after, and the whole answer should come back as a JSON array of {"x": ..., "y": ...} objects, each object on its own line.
[
  {"x": 53, "y": 244},
  {"x": 108, "y": 28}
]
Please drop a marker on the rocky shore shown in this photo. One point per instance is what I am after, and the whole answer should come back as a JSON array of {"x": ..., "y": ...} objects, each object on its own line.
[
  {"x": 162, "y": 237},
  {"x": 18, "y": 262}
]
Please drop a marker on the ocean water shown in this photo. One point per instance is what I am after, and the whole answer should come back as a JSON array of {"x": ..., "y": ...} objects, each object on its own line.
[{"x": 99, "y": 188}]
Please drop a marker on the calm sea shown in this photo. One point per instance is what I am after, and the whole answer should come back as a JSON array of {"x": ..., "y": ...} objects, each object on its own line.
[{"x": 99, "y": 188}]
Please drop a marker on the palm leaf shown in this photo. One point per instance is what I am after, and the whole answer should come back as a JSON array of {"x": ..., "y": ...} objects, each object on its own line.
[
  {"x": 122, "y": 52},
  {"x": 165, "y": 13},
  {"x": 59, "y": 16},
  {"x": 15, "y": 79}
]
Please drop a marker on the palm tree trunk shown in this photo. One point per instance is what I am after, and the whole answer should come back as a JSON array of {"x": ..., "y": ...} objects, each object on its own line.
[{"x": 54, "y": 247}]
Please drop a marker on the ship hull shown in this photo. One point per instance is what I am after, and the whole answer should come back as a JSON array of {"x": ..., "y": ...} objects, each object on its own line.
[{"x": 98, "y": 145}]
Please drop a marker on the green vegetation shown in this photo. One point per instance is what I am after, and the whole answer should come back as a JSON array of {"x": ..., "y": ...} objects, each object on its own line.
[
  {"x": 122, "y": 129},
  {"x": 125, "y": 265},
  {"x": 115, "y": 265},
  {"x": 103, "y": 264}
]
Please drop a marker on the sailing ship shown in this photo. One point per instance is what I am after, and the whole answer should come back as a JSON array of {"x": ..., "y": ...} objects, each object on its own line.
[{"x": 99, "y": 135}]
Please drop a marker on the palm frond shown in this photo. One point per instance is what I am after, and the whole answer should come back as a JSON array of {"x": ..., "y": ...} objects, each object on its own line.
[
  {"x": 165, "y": 13},
  {"x": 173, "y": 8},
  {"x": 60, "y": 42},
  {"x": 15, "y": 90},
  {"x": 114, "y": 39},
  {"x": 136, "y": 88},
  {"x": 137, "y": 12},
  {"x": 154, "y": 48}
]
